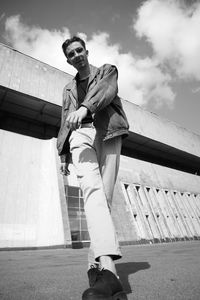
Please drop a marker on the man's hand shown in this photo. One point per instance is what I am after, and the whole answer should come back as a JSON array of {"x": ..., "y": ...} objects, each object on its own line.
[
  {"x": 64, "y": 168},
  {"x": 75, "y": 118}
]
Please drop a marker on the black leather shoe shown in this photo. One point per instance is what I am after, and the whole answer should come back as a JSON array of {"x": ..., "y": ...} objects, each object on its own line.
[{"x": 104, "y": 285}]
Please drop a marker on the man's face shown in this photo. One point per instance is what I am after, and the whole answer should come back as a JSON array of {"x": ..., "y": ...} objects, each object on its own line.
[{"x": 77, "y": 55}]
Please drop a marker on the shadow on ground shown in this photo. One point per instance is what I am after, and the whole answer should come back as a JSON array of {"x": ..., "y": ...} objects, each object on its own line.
[{"x": 125, "y": 269}]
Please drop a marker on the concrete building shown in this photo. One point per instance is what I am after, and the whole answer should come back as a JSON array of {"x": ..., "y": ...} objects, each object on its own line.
[{"x": 157, "y": 195}]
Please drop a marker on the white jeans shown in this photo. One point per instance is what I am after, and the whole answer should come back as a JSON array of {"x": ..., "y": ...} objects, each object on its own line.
[{"x": 96, "y": 165}]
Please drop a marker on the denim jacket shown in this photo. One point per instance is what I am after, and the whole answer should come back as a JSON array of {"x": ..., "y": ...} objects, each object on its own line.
[{"x": 101, "y": 100}]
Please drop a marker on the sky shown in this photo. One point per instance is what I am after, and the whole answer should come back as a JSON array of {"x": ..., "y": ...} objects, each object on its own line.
[{"x": 155, "y": 45}]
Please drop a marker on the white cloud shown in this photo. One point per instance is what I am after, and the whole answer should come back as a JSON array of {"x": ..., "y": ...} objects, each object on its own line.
[
  {"x": 196, "y": 90},
  {"x": 173, "y": 29},
  {"x": 2, "y": 16},
  {"x": 140, "y": 80},
  {"x": 39, "y": 43}
]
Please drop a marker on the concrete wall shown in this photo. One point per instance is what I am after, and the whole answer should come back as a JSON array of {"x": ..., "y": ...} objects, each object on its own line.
[
  {"x": 30, "y": 76},
  {"x": 151, "y": 202},
  {"x": 32, "y": 212},
  {"x": 150, "y": 125},
  {"x": 141, "y": 172},
  {"x": 155, "y": 203}
]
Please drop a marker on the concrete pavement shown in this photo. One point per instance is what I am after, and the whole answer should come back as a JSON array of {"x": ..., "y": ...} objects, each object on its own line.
[{"x": 159, "y": 271}]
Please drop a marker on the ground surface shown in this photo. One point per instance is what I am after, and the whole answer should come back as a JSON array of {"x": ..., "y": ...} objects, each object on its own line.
[{"x": 159, "y": 271}]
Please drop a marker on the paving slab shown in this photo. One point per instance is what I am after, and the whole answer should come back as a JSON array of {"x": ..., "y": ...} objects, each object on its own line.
[{"x": 159, "y": 271}]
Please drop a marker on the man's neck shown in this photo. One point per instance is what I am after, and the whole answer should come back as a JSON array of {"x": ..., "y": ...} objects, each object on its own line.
[{"x": 84, "y": 73}]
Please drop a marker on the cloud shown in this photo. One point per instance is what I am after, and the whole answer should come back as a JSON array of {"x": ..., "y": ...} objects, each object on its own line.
[
  {"x": 42, "y": 44},
  {"x": 2, "y": 16},
  {"x": 196, "y": 90},
  {"x": 140, "y": 80},
  {"x": 173, "y": 30}
]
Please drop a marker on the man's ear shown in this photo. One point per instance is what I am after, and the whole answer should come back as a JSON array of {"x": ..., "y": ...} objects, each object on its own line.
[{"x": 87, "y": 52}]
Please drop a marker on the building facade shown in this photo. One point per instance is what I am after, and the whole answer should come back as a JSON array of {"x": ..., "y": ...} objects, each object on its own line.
[{"x": 157, "y": 195}]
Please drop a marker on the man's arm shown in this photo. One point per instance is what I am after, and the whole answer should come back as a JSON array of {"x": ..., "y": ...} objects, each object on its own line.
[
  {"x": 104, "y": 91},
  {"x": 73, "y": 121},
  {"x": 64, "y": 166},
  {"x": 66, "y": 155},
  {"x": 97, "y": 97},
  {"x": 75, "y": 118}
]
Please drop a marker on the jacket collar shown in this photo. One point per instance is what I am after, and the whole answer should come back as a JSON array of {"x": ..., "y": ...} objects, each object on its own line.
[
  {"x": 72, "y": 85},
  {"x": 93, "y": 72}
]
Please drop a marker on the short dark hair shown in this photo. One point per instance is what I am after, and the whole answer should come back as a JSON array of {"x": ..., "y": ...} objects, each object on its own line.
[{"x": 73, "y": 39}]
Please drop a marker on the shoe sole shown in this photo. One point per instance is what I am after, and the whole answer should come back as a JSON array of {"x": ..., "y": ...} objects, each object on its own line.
[{"x": 118, "y": 296}]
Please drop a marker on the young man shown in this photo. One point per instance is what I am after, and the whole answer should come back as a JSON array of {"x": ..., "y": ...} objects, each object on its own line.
[{"x": 92, "y": 126}]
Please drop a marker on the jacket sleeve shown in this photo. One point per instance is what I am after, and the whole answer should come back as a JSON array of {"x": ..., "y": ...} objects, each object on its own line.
[
  {"x": 104, "y": 91},
  {"x": 63, "y": 106},
  {"x": 65, "y": 156}
]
